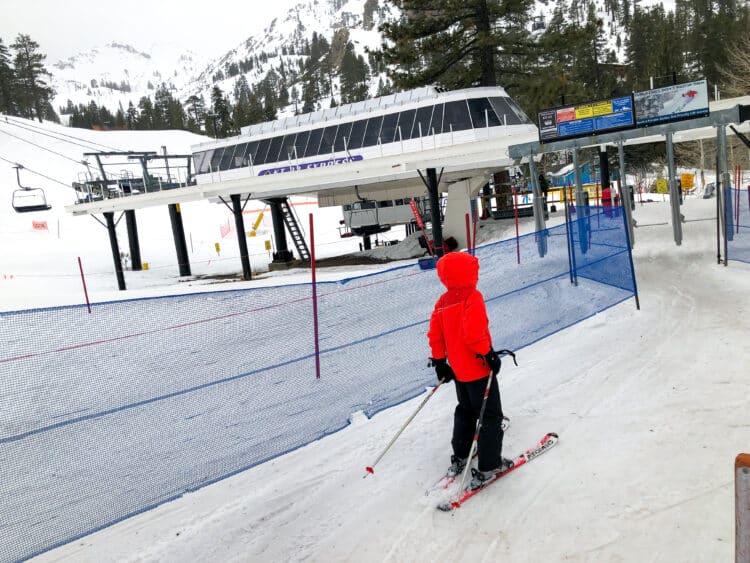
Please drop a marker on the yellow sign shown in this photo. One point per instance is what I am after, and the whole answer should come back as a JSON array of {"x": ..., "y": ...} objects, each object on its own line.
[
  {"x": 687, "y": 181},
  {"x": 602, "y": 108},
  {"x": 217, "y": 246},
  {"x": 662, "y": 186},
  {"x": 144, "y": 265},
  {"x": 583, "y": 112},
  {"x": 592, "y": 110}
]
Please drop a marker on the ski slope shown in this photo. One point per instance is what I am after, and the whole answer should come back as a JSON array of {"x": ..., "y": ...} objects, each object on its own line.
[{"x": 650, "y": 406}]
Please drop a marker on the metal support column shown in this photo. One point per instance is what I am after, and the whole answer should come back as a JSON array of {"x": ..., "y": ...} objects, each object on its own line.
[
  {"x": 604, "y": 169},
  {"x": 132, "y": 226},
  {"x": 282, "y": 253},
  {"x": 109, "y": 216},
  {"x": 437, "y": 228},
  {"x": 178, "y": 232},
  {"x": 539, "y": 204},
  {"x": 625, "y": 194},
  {"x": 135, "y": 248},
  {"x": 582, "y": 208},
  {"x": 674, "y": 192},
  {"x": 577, "y": 176},
  {"x": 239, "y": 224},
  {"x": 726, "y": 215}
]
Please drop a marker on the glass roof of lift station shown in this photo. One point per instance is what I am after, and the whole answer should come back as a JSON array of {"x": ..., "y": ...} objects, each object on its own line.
[{"x": 342, "y": 111}]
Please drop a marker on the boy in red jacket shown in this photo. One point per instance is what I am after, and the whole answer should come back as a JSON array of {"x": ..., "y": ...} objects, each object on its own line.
[{"x": 459, "y": 333}]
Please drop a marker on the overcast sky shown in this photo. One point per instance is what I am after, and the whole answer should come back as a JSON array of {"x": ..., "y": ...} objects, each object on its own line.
[{"x": 66, "y": 27}]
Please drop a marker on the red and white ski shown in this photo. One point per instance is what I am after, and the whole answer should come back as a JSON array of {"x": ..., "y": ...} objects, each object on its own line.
[
  {"x": 447, "y": 480},
  {"x": 544, "y": 444}
]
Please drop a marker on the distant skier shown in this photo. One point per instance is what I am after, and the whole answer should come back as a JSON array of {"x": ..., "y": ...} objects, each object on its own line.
[{"x": 459, "y": 333}]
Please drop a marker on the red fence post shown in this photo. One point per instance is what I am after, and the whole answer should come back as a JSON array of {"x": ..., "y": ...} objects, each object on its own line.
[
  {"x": 515, "y": 212},
  {"x": 474, "y": 239},
  {"x": 83, "y": 279},
  {"x": 314, "y": 298},
  {"x": 468, "y": 235}
]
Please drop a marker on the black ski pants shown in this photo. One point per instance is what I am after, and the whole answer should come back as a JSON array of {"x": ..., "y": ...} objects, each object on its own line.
[{"x": 490, "y": 443}]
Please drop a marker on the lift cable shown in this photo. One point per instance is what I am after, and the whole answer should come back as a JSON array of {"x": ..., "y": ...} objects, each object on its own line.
[
  {"x": 46, "y": 133},
  {"x": 41, "y": 147},
  {"x": 37, "y": 173}
]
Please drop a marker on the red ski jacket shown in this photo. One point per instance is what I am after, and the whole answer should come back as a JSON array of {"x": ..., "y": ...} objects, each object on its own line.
[{"x": 459, "y": 328}]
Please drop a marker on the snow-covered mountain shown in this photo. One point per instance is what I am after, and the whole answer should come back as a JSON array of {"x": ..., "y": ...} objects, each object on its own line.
[
  {"x": 119, "y": 73},
  {"x": 284, "y": 39}
]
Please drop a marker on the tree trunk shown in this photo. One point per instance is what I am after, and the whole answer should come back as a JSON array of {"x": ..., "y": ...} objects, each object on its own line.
[{"x": 488, "y": 76}]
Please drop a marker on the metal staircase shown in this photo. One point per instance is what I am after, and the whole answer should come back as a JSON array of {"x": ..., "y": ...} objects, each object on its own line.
[{"x": 292, "y": 225}]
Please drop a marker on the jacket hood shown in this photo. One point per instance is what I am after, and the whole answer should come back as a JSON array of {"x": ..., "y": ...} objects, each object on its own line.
[{"x": 458, "y": 269}]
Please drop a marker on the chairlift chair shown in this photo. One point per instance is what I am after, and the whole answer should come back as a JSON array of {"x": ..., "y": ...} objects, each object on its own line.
[
  {"x": 28, "y": 199},
  {"x": 538, "y": 23}
]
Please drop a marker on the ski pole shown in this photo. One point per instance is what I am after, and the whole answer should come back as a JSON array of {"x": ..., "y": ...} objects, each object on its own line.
[{"x": 370, "y": 468}]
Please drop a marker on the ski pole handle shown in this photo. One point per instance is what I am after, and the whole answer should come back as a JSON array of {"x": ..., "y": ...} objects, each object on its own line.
[{"x": 370, "y": 468}]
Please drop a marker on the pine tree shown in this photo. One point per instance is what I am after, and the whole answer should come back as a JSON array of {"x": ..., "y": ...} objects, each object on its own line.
[
  {"x": 131, "y": 116},
  {"x": 354, "y": 75},
  {"x": 456, "y": 43},
  {"x": 254, "y": 111},
  {"x": 221, "y": 119},
  {"x": 241, "y": 107},
  {"x": 120, "y": 118},
  {"x": 146, "y": 114},
  {"x": 162, "y": 97},
  {"x": 6, "y": 82},
  {"x": 269, "y": 110},
  {"x": 31, "y": 93},
  {"x": 196, "y": 111}
]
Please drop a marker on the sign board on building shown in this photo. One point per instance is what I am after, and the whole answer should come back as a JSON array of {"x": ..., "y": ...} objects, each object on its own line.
[
  {"x": 582, "y": 120},
  {"x": 671, "y": 103}
]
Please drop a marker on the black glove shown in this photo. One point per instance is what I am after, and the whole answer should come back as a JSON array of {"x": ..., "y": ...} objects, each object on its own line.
[
  {"x": 443, "y": 371},
  {"x": 492, "y": 359}
]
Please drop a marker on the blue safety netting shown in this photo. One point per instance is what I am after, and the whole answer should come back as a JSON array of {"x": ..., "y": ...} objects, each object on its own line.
[
  {"x": 737, "y": 215},
  {"x": 108, "y": 414}
]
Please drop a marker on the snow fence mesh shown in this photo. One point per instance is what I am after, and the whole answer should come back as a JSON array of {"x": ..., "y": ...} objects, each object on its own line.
[
  {"x": 737, "y": 210},
  {"x": 109, "y": 414}
]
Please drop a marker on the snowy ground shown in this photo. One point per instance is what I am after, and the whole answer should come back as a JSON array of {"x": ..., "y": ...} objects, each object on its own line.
[{"x": 650, "y": 405}]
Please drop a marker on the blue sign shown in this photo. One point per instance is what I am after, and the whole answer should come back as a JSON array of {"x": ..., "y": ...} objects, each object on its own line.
[
  {"x": 590, "y": 118},
  {"x": 307, "y": 165}
]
